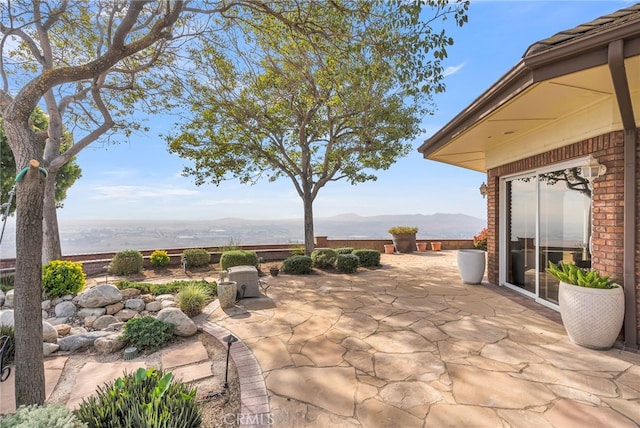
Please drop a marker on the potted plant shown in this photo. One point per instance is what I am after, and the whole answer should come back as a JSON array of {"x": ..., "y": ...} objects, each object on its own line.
[
  {"x": 421, "y": 246},
  {"x": 389, "y": 248},
  {"x": 591, "y": 305},
  {"x": 472, "y": 262},
  {"x": 274, "y": 270},
  {"x": 404, "y": 238}
]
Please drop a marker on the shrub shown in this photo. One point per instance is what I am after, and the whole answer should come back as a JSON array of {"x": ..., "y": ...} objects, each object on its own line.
[
  {"x": 159, "y": 258},
  {"x": 230, "y": 246},
  {"x": 402, "y": 230},
  {"x": 147, "y": 332},
  {"x": 480, "y": 240},
  {"x": 297, "y": 250},
  {"x": 9, "y": 353},
  {"x": 238, "y": 258},
  {"x": 144, "y": 287},
  {"x": 145, "y": 398},
  {"x": 297, "y": 265},
  {"x": 347, "y": 263},
  {"x": 126, "y": 262},
  {"x": 6, "y": 281},
  {"x": 45, "y": 416},
  {"x": 196, "y": 257},
  {"x": 60, "y": 277},
  {"x": 345, "y": 250},
  {"x": 192, "y": 298},
  {"x": 324, "y": 257},
  {"x": 368, "y": 258}
]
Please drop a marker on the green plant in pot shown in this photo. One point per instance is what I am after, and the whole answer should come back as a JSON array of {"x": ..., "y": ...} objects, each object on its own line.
[
  {"x": 404, "y": 238},
  {"x": 591, "y": 305}
]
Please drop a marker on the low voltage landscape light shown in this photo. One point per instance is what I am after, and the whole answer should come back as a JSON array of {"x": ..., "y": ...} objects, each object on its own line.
[{"x": 230, "y": 339}]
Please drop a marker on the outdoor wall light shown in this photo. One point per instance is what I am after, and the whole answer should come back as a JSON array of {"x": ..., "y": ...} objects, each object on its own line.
[
  {"x": 230, "y": 339},
  {"x": 592, "y": 169},
  {"x": 484, "y": 190}
]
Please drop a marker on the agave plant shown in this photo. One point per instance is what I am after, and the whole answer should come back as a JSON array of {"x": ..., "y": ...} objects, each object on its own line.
[{"x": 572, "y": 274}]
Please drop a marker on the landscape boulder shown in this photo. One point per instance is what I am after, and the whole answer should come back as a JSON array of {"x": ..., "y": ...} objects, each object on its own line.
[
  {"x": 78, "y": 341},
  {"x": 108, "y": 344},
  {"x": 112, "y": 309},
  {"x": 99, "y": 296},
  {"x": 153, "y": 306},
  {"x": 104, "y": 321},
  {"x": 135, "y": 304},
  {"x": 49, "y": 348},
  {"x": 130, "y": 292},
  {"x": 91, "y": 312},
  {"x": 6, "y": 317},
  {"x": 125, "y": 314},
  {"x": 8, "y": 299},
  {"x": 184, "y": 326},
  {"x": 65, "y": 309},
  {"x": 62, "y": 329},
  {"x": 49, "y": 333},
  {"x": 1, "y": 297}
]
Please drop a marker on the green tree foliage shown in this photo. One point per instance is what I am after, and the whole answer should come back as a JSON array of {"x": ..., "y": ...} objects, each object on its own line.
[
  {"x": 277, "y": 103},
  {"x": 67, "y": 175}
]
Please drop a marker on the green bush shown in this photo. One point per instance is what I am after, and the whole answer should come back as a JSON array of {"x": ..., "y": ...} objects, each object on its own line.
[
  {"x": 147, "y": 332},
  {"x": 168, "y": 288},
  {"x": 345, "y": 250},
  {"x": 297, "y": 265},
  {"x": 60, "y": 277},
  {"x": 192, "y": 298},
  {"x": 196, "y": 257},
  {"x": 238, "y": 258},
  {"x": 159, "y": 258},
  {"x": 347, "y": 263},
  {"x": 126, "y": 262},
  {"x": 402, "y": 230},
  {"x": 297, "y": 250},
  {"x": 9, "y": 354},
  {"x": 368, "y": 258},
  {"x": 324, "y": 257},
  {"x": 45, "y": 416},
  {"x": 144, "y": 287},
  {"x": 6, "y": 281},
  {"x": 145, "y": 398}
]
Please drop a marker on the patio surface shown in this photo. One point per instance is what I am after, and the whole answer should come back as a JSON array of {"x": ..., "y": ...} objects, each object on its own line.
[{"x": 409, "y": 345}]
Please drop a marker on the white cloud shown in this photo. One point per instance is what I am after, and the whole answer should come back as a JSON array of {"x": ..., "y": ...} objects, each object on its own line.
[
  {"x": 448, "y": 71},
  {"x": 138, "y": 192}
]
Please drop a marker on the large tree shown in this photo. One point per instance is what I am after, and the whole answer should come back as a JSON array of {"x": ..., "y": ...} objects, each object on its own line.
[
  {"x": 278, "y": 103},
  {"x": 67, "y": 175},
  {"x": 91, "y": 65}
]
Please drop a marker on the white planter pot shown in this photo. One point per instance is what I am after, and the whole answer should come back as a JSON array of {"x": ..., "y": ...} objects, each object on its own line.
[
  {"x": 471, "y": 265},
  {"x": 227, "y": 294},
  {"x": 592, "y": 316}
]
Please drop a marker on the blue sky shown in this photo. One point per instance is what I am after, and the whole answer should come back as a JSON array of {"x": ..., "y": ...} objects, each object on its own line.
[{"x": 141, "y": 180}]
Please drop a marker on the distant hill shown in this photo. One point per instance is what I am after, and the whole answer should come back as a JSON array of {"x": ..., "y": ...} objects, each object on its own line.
[{"x": 93, "y": 236}]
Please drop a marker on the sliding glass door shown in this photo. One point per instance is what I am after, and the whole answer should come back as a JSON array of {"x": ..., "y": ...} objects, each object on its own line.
[{"x": 548, "y": 219}]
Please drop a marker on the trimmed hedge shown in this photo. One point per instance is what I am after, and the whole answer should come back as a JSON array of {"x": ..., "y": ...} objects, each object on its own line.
[
  {"x": 126, "y": 262},
  {"x": 196, "y": 257},
  {"x": 297, "y": 265},
  {"x": 368, "y": 258},
  {"x": 324, "y": 257},
  {"x": 345, "y": 250},
  {"x": 60, "y": 277},
  {"x": 347, "y": 263},
  {"x": 238, "y": 258}
]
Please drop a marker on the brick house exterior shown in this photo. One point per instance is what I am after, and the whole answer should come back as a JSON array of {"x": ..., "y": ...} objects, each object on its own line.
[{"x": 573, "y": 95}]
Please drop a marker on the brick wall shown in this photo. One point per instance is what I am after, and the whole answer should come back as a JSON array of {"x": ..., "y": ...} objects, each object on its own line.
[{"x": 607, "y": 198}]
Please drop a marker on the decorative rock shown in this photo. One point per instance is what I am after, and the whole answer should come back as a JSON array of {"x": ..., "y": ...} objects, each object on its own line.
[
  {"x": 184, "y": 326},
  {"x": 77, "y": 341},
  {"x": 55, "y": 301},
  {"x": 168, "y": 304},
  {"x": 125, "y": 314},
  {"x": 46, "y": 305},
  {"x": 130, "y": 292},
  {"x": 49, "y": 348},
  {"x": 65, "y": 309},
  {"x": 6, "y": 317},
  {"x": 163, "y": 297},
  {"x": 67, "y": 297},
  {"x": 135, "y": 304},
  {"x": 108, "y": 344},
  {"x": 104, "y": 321},
  {"x": 49, "y": 333},
  {"x": 57, "y": 321},
  {"x": 116, "y": 326},
  {"x": 45, "y": 315},
  {"x": 153, "y": 306},
  {"x": 63, "y": 329},
  {"x": 99, "y": 296},
  {"x": 78, "y": 330},
  {"x": 88, "y": 321},
  {"x": 8, "y": 299},
  {"x": 148, "y": 298},
  {"x": 91, "y": 312},
  {"x": 112, "y": 309}
]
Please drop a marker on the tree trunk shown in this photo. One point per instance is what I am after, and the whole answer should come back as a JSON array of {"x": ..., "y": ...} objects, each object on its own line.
[
  {"x": 51, "y": 248},
  {"x": 307, "y": 201},
  {"x": 29, "y": 379}
]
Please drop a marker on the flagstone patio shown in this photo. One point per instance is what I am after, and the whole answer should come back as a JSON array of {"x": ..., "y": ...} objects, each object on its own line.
[{"x": 410, "y": 345}]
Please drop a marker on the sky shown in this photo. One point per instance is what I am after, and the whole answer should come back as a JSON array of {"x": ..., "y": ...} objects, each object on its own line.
[{"x": 141, "y": 180}]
